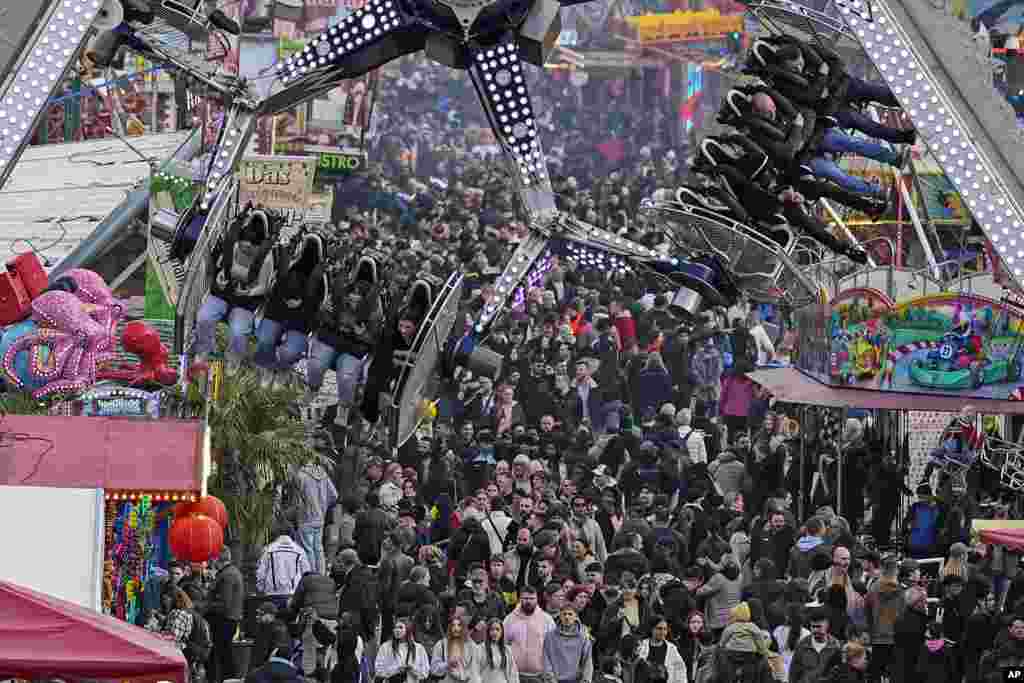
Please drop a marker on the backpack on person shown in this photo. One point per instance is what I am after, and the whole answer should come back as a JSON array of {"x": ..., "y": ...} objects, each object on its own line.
[{"x": 200, "y": 640}]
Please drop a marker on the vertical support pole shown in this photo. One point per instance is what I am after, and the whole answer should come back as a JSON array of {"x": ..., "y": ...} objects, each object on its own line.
[
  {"x": 922, "y": 236},
  {"x": 803, "y": 462},
  {"x": 73, "y": 111}
]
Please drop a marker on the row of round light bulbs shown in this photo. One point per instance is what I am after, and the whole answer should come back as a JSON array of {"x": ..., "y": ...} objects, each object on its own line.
[
  {"x": 157, "y": 497},
  {"x": 220, "y": 164},
  {"x": 959, "y": 158},
  {"x": 359, "y": 27},
  {"x": 504, "y": 286},
  {"x": 37, "y": 76}
]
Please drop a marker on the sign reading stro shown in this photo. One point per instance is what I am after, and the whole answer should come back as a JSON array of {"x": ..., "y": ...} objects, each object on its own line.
[
  {"x": 340, "y": 163},
  {"x": 276, "y": 182}
]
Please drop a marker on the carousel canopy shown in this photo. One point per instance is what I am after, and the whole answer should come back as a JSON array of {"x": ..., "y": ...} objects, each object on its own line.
[
  {"x": 789, "y": 385},
  {"x": 43, "y": 637}
]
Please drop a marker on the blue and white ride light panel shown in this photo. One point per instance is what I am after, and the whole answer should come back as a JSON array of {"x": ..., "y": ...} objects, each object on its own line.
[
  {"x": 937, "y": 121},
  {"x": 39, "y": 71}
]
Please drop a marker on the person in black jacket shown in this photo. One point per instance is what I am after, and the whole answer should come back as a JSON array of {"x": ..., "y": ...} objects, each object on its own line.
[
  {"x": 289, "y": 309},
  {"x": 777, "y": 129},
  {"x": 815, "y": 76},
  {"x": 372, "y": 526},
  {"x": 772, "y": 205},
  {"x": 278, "y": 668},
  {"x": 242, "y": 265},
  {"x": 357, "y": 592}
]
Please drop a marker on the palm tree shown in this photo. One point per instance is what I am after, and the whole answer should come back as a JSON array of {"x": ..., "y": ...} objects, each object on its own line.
[{"x": 258, "y": 441}]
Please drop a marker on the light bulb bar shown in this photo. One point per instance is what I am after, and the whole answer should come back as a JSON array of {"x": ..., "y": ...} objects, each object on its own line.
[
  {"x": 48, "y": 55},
  {"x": 930, "y": 62},
  {"x": 516, "y": 269}
]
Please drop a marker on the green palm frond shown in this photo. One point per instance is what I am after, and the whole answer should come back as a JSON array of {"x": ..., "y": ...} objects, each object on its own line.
[{"x": 263, "y": 441}]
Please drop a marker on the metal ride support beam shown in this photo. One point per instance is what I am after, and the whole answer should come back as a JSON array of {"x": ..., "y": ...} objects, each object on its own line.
[
  {"x": 42, "y": 40},
  {"x": 930, "y": 61}
]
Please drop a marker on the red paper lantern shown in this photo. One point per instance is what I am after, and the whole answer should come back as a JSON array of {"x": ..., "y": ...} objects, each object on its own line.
[
  {"x": 212, "y": 507},
  {"x": 183, "y": 509},
  {"x": 196, "y": 538}
]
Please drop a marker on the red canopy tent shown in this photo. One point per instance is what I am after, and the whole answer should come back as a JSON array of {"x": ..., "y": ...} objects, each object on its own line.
[
  {"x": 44, "y": 637},
  {"x": 1012, "y": 539}
]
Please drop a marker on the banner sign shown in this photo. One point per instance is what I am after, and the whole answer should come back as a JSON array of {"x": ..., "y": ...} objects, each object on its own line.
[
  {"x": 276, "y": 182},
  {"x": 118, "y": 401},
  {"x": 340, "y": 163}
]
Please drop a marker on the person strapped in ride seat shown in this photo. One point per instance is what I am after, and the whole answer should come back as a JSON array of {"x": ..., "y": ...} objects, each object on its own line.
[{"x": 960, "y": 442}]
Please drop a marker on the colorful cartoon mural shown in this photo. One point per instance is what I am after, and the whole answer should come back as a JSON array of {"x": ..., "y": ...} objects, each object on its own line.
[{"x": 946, "y": 343}]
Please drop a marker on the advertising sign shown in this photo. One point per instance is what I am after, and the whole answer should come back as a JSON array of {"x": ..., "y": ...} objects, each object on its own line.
[
  {"x": 340, "y": 163},
  {"x": 959, "y": 344},
  {"x": 118, "y": 401},
  {"x": 276, "y": 182}
]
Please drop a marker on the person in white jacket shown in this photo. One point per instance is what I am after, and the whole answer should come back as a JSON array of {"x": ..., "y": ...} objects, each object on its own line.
[
  {"x": 402, "y": 659},
  {"x": 657, "y": 650},
  {"x": 496, "y": 523},
  {"x": 282, "y": 565},
  {"x": 455, "y": 658},
  {"x": 497, "y": 665}
]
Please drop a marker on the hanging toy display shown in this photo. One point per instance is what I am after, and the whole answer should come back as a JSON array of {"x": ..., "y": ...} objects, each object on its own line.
[{"x": 133, "y": 537}]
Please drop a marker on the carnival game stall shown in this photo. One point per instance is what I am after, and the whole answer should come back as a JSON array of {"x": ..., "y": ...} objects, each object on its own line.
[{"x": 108, "y": 487}]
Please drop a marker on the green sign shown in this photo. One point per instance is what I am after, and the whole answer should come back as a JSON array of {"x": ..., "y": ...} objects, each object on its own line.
[{"x": 337, "y": 164}]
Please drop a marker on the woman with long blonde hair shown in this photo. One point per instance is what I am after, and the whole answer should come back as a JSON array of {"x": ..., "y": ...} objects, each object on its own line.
[{"x": 455, "y": 658}]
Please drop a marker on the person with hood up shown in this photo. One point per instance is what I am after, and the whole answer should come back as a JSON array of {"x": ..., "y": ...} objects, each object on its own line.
[
  {"x": 883, "y": 608},
  {"x": 318, "y": 495},
  {"x": 568, "y": 653},
  {"x": 722, "y": 592},
  {"x": 657, "y": 653},
  {"x": 728, "y": 472},
  {"x": 807, "y": 547}
]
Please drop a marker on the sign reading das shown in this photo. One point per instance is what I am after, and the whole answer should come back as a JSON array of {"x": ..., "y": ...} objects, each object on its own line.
[{"x": 276, "y": 182}]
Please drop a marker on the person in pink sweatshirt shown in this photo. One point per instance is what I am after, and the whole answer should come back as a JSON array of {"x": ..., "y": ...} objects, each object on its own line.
[
  {"x": 624, "y": 324},
  {"x": 734, "y": 406},
  {"x": 525, "y": 629}
]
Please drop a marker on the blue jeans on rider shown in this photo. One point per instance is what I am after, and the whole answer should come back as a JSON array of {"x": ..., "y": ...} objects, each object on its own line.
[
  {"x": 240, "y": 324},
  {"x": 850, "y": 118},
  {"x": 311, "y": 538},
  {"x": 270, "y": 353},
  {"x": 829, "y": 170},
  {"x": 839, "y": 143},
  {"x": 870, "y": 91},
  {"x": 349, "y": 369}
]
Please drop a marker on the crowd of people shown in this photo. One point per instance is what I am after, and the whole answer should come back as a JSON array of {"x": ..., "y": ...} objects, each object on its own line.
[{"x": 620, "y": 503}]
